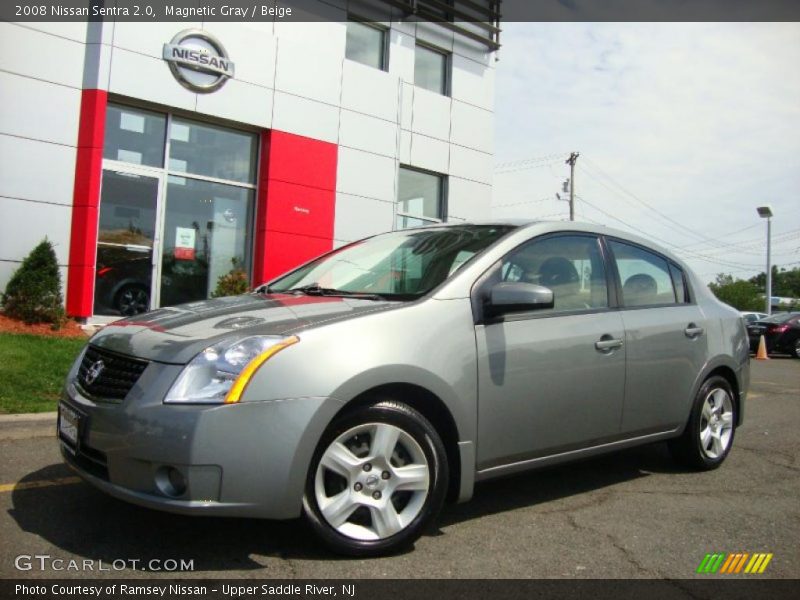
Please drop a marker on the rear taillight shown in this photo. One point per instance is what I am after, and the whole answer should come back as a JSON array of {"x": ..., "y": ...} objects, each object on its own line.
[
  {"x": 104, "y": 270},
  {"x": 778, "y": 328}
]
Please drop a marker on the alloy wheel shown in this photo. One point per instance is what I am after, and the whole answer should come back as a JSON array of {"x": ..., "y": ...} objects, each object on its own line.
[
  {"x": 716, "y": 423},
  {"x": 372, "y": 481},
  {"x": 133, "y": 301}
]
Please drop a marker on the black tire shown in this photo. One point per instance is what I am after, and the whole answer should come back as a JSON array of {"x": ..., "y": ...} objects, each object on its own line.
[
  {"x": 688, "y": 449},
  {"x": 132, "y": 300},
  {"x": 402, "y": 416},
  {"x": 796, "y": 352}
]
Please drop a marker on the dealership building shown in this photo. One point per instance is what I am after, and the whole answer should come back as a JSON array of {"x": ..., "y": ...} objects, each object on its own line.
[{"x": 157, "y": 157}]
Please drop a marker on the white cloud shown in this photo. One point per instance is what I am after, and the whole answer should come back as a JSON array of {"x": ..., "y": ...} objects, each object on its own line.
[{"x": 700, "y": 120}]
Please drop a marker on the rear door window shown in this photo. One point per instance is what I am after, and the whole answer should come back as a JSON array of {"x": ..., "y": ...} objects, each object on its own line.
[{"x": 645, "y": 276}]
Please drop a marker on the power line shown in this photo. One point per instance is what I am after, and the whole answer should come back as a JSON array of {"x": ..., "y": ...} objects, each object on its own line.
[
  {"x": 525, "y": 161},
  {"x": 674, "y": 247},
  {"x": 527, "y": 167},
  {"x": 523, "y": 202},
  {"x": 679, "y": 227},
  {"x": 753, "y": 226},
  {"x": 716, "y": 245}
]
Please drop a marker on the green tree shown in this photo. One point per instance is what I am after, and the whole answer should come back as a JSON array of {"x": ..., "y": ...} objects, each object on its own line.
[
  {"x": 33, "y": 293},
  {"x": 740, "y": 294},
  {"x": 785, "y": 282}
]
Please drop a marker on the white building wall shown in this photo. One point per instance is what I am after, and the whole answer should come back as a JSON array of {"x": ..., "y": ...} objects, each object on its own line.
[
  {"x": 40, "y": 99},
  {"x": 289, "y": 76}
]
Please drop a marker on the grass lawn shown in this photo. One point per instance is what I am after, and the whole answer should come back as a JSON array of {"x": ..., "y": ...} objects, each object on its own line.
[{"x": 33, "y": 369}]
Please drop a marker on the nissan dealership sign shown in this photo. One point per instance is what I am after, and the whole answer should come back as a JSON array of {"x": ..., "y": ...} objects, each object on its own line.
[{"x": 198, "y": 61}]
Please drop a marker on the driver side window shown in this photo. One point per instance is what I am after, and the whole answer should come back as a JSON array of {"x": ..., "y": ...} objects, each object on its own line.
[{"x": 570, "y": 265}]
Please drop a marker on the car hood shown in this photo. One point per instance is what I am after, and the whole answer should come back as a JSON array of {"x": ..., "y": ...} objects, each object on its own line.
[{"x": 176, "y": 334}]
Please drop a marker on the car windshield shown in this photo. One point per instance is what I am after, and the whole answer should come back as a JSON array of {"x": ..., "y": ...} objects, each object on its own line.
[
  {"x": 399, "y": 265},
  {"x": 782, "y": 318}
]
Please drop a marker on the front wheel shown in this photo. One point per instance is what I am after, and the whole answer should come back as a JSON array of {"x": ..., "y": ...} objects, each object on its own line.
[
  {"x": 132, "y": 300},
  {"x": 377, "y": 480},
  {"x": 708, "y": 437},
  {"x": 797, "y": 348}
]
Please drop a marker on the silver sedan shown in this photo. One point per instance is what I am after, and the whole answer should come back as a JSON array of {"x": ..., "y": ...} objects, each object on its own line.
[{"x": 372, "y": 384}]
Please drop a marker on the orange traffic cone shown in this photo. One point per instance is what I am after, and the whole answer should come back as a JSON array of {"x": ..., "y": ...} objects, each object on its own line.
[{"x": 762, "y": 349}]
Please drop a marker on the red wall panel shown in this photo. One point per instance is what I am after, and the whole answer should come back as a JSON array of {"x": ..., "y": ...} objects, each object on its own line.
[
  {"x": 85, "y": 200},
  {"x": 296, "y": 202}
]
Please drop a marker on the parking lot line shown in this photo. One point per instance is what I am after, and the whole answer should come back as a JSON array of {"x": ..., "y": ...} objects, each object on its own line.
[{"x": 27, "y": 485}]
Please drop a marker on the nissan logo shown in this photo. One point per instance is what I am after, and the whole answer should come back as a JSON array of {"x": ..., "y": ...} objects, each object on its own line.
[
  {"x": 198, "y": 60},
  {"x": 94, "y": 372}
]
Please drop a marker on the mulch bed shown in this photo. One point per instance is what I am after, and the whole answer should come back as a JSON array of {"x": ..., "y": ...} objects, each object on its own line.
[{"x": 70, "y": 329}]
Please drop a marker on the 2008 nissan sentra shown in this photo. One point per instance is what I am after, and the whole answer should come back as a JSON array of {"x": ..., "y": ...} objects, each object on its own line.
[{"x": 368, "y": 386}]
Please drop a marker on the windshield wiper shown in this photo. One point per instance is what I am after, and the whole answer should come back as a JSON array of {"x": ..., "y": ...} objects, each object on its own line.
[{"x": 314, "y": 289}]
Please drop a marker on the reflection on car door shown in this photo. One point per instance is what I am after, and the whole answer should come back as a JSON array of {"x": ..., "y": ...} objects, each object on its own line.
[
  {"x": 665, "y": 336},
  {"x": 545, "y": 384}
]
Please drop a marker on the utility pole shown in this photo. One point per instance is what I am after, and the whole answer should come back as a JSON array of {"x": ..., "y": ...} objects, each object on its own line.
[{"x": 573, "y": 158}]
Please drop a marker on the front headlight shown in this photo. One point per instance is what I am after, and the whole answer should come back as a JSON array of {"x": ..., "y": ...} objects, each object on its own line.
[{"x": 220, "y": 373}]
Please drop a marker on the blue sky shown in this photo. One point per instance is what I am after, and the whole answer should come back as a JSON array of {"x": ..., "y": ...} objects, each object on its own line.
[{"x": 683, "y": 129}]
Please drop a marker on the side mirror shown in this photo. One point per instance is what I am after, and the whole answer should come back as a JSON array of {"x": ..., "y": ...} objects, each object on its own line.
[{"x": 512, "y": 297}]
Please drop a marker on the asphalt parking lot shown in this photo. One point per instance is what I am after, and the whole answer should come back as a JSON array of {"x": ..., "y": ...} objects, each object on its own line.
[{"x": 628, "y": 515}]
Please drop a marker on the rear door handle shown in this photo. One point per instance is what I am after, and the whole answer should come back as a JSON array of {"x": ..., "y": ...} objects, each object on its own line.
[
  {"x": 693, "y": 331},
  {"x": 607, "y": 343}
]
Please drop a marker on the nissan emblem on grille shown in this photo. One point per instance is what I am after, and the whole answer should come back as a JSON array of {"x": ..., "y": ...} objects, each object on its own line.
[{"x": 94, "y": 372}]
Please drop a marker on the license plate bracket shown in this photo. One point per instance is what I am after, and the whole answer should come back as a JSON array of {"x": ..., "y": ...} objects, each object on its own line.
[{"x": 71, "y": 424}]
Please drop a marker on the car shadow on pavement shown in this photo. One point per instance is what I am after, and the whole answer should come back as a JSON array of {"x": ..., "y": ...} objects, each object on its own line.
[
  {"x": 543, "y": 487},
  {"x": 87, "y": 524}
]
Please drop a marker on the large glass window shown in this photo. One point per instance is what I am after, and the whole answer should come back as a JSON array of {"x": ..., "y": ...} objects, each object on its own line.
[
  {"x": 206, "y": 234},
  {"x": 420, "y": 198},
  {"x": 202, "y": 149},
  {"x": 645, "y": 276},
  {"x": 430, "y": 69},
  {"x": 134, "y": 136},
  {"x": 570, "y": 265},
  {"x": 366, "y": 44},
  {"x": 169, "y": 229}
]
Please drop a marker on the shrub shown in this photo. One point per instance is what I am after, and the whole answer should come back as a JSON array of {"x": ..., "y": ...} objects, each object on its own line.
[
  {"x": 233, "y": 283},
  {"x": 33, "y": 294}
]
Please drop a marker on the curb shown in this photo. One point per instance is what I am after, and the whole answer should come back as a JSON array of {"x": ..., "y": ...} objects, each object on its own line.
[{"x": 29, "y": 418}]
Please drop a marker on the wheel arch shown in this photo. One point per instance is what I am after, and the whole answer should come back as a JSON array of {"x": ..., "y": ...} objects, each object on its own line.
[
  {"x": 726, "y": 369},
  {"x": 432, "y": 408}
]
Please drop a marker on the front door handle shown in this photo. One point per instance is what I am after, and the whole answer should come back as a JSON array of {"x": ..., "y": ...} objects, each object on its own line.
[
  {"x": 606, "y": 343},
  {"x": 692, "y": 331}
]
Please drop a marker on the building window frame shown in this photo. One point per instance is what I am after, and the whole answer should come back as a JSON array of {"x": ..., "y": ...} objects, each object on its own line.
[
  {"x": 443, "y": 193},
  {"x": 448, "y": 67},
  {"x": 382, "y": 29}
]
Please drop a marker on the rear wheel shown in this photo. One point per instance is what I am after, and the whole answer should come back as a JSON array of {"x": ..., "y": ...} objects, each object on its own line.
[
  {"x": 797, "y": 348},
  {"x": 378, "y": 479},
  {"x": 708, "y": 437}
]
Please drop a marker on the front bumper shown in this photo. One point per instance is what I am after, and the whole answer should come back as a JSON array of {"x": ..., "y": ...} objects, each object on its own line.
[{"x": 246, "y": 459}]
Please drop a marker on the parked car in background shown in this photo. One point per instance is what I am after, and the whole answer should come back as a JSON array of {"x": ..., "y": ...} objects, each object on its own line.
[
  {"x": 781, "y": 333},
  {"x": 752, "y": 317},
  {"x": 368, "y": 386}
]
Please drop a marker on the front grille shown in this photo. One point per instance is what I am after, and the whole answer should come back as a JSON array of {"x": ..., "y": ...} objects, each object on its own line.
[{"x": 105, "y": 374}]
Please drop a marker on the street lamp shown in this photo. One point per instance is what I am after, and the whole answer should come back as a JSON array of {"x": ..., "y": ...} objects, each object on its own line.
[{"x": 765, "y": 212}]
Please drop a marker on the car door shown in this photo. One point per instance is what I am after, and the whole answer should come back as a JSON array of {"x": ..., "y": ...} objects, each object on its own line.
[
  {"x": 665, "y": 337},
  {"x": 550, "y": 380}
]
